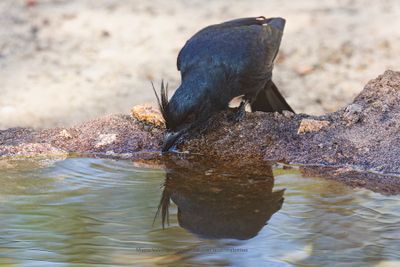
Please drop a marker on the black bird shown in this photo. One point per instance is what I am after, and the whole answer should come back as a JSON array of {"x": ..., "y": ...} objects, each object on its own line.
[
  {"x": 208, "y": 203},
  {"x": 219, "y": 63}
]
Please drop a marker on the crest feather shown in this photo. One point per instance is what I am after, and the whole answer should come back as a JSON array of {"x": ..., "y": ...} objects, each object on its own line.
[
  {"x": 162, "y": 100},
  {"x": 163, "y": 206}
]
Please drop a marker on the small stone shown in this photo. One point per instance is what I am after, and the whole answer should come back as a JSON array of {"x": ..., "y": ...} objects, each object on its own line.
[
  {"x": 147, "y": 114},
  {"x": 288, "y": 114},
  {"x": 304, "y": 70},
  {"x": 385, "y": 108},
  {"x": 65, "y": 134},
  {"x": 105, "y": 139},
  {"x": 358, "y": 182},
  {"x": 378, "y": 168},
  {"x": 119, "y": 155},
  {"x": 354, "y": 108},
  {"x": 310, "y": 125},
  {"x": 105, "y": 33},
  {"x": 352, "y": 114}
]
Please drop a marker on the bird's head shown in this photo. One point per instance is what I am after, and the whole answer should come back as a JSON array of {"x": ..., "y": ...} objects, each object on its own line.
[{"x": 179, "y": 115}]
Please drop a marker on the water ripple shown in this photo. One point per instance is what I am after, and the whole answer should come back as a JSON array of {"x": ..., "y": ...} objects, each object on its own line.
[{"x": 96, "y": 211}]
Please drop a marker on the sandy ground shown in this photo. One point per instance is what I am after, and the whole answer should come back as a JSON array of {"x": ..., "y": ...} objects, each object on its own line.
[{"x": 65, "y": 61}]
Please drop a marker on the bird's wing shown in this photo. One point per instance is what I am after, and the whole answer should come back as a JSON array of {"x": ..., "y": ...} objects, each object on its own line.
[
  {"x": 178, "y": 60},
  {"x": 228, "y": 24}
]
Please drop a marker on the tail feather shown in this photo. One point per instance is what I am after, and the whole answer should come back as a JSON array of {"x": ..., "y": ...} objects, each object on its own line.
[{"x": 270, "y": 100}]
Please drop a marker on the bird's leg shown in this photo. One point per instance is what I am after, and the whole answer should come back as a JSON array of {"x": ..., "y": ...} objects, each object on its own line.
[{"x": 240, "y": 111}]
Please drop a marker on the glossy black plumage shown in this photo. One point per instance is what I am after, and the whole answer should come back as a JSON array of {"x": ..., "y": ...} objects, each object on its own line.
[{"x": 220, "y": 62}]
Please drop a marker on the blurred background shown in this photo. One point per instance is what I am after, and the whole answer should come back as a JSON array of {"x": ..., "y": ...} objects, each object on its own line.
[{"x": 66, "y": 61}]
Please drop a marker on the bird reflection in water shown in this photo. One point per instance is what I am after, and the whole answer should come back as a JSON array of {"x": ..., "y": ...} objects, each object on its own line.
[{"x": 215, "y": 200}]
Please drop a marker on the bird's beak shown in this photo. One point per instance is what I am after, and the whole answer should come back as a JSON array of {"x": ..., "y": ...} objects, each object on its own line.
[{"x": 169, "y": 140}]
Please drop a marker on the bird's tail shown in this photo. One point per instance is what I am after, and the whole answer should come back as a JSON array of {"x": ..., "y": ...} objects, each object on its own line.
[
  {"x": 278, "y": 23},
  {"x": 270, "y": 100}
]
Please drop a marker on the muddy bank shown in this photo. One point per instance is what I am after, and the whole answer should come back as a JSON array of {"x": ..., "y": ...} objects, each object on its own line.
[{"x": 364, "y": 135}]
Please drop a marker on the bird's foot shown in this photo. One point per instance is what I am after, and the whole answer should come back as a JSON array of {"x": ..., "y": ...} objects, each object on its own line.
[{"x": 239, "y": 113}]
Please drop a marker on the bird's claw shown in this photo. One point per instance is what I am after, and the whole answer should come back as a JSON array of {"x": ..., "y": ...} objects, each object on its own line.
[{"x": 239, "y": 113}]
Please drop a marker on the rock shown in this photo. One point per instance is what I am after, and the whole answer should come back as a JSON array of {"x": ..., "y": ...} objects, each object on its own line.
[
  {"x": 26, "y": 150},
  {"x": 65, "y": 134},
  {"x": 304, "y": 70},
  {"x": 310, "y": 125},
  {"x": 373, "y": 145},
  {"x": 147, "y": 114},
  {"x": 288, "y": 114},
  {"x": 352, "y": 113},
  {"x": 353, "y": 109},
  {"x": 105, "y": 139}
]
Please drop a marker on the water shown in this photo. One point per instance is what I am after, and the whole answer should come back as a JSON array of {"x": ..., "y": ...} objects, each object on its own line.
[{"x": 83, "y": 212}]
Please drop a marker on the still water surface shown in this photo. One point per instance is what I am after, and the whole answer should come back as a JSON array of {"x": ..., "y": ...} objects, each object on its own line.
[{"x": 84, "y": 211}]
